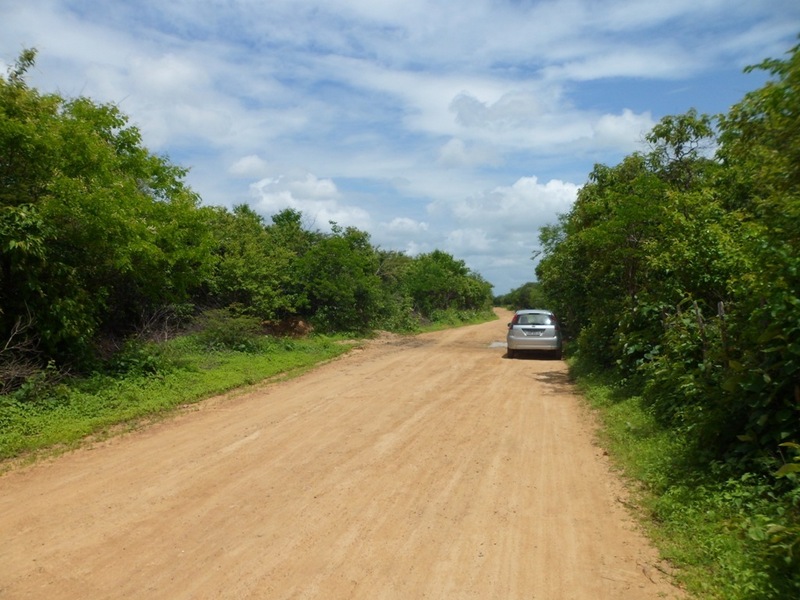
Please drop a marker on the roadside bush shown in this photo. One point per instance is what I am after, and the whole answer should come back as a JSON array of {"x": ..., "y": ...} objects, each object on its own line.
[
  {"x": 138, "y": 357},
  {"x": 399, "y": 315},
  {"x": 225, "y": 329},
  {"x": 41, "y": 386}
]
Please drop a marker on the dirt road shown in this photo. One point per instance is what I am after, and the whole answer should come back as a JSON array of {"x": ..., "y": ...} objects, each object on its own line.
[{"x": 429, "y": 467}]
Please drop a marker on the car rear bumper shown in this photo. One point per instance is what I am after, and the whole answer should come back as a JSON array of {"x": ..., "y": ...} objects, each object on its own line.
[{"x": 533, "y": 343}]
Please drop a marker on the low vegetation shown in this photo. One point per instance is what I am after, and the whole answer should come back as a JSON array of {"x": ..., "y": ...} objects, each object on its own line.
[
  {"x": 148, "y": 380},
  {"x": 50, "y": 412},
  {"x": 731, "y": 536}
]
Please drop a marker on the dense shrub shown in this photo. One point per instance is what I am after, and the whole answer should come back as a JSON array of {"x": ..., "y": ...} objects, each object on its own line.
[
  {"x": 680, "y": 270},
  {"x": 226, "y": 329},
  {"x": 100, "y": 240}
]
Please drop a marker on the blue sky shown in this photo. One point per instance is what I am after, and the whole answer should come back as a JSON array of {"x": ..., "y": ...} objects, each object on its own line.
[{"x": 460, "y": 126}]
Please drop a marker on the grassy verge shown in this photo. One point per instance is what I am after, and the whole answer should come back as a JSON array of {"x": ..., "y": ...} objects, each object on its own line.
[
  {"x": 43, "y": 416},
  {"x": 731, "y": 537},
  {"x": 153, "y": 379}
]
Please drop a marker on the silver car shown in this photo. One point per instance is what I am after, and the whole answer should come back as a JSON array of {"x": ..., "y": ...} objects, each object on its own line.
[{"x": 532, "y": 329}]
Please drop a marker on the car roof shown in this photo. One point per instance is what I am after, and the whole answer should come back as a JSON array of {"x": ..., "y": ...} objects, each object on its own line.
[{"x": 528, "y": 311}]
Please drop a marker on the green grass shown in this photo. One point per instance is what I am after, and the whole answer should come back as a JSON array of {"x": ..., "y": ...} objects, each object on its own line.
[
  {"x": 52, "y": 417},
  {"x": 147, "y": 381},
  {"x": 731, "y": 537}
]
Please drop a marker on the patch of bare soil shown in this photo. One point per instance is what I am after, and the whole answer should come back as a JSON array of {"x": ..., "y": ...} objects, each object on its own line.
[{"x": 424, "y": 468}]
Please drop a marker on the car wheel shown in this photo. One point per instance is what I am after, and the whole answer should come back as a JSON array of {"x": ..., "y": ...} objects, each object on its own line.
[
  {"x": 557, "y": 354},
  {"x": 510, "y": 353}
]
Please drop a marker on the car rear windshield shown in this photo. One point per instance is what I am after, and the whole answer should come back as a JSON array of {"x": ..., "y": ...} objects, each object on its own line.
[{"x": 534, "y": 320}]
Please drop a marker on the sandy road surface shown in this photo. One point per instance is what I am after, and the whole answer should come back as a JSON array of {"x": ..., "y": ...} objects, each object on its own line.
[{"x": 429, "y": 467}]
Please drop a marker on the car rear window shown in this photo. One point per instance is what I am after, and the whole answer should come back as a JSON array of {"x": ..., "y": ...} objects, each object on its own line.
[{"x": 535, "y": 320}]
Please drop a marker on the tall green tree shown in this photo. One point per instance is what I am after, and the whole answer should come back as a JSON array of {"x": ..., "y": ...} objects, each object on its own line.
[
  {"x": 254, "y": 265},
  {"x": 437, "y": 281},
  {"x": 528, "y": 295},
  {"x": 339, "y": 276},
  {"x": 761, "y": 151},
  {"x": 682, "y": 268},
  {"x": 596, "y": 266},
  {"x": 95, "y": 231}
]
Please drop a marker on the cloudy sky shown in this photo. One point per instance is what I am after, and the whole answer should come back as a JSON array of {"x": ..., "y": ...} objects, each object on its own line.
[{"x": 463, "y": 125}]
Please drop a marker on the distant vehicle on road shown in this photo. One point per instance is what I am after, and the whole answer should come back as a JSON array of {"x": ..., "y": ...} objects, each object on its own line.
[{"x": 534, "y": 329}]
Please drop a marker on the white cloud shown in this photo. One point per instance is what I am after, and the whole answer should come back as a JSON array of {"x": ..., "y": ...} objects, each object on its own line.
[
  {"x": 318, "y": 200},
  {"x": 249, "y": 166},
  {"x": 621, "y": 131},
  {"x": 542, "y": 124},
  {"x": 404, "y": 225},
  {"x": 413, "y": 248},
  {"x": 512, "y": 109},
  {"x": 497, "y": 231},
  {"x": 667, "y": 59},
  {"x": 169, "y": 76},
  {"x": 405, "y": 106},
  {"x": 456, "y": 153},
  {"x": 464, "y": 242},
  {"x": 405, "y": 235},
  {"x": 525, "y": 205}
]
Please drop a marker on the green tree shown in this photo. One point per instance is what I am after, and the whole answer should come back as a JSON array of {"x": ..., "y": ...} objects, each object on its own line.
[
  {"x": 680, "y": 145},
  {"x": 437, "y": 282},
  {"x": 398, "y": 310},
  {"x": 761, "y": 151},
  {"x": 528, "y": 295},
  {"x": 95, "y": 231},
  {"x": 339, "y": 275},
  {"x": 683, "y": 269},
  {"x": 626, "y": 254},
  {"x": 596, "y": 265},
  {"x": 254, "y": 265}
]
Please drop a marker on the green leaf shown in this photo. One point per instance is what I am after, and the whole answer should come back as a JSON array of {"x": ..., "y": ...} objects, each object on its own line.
[
  {"x": 787, "y": 469},
  {"x": 757, "y": 533}
]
